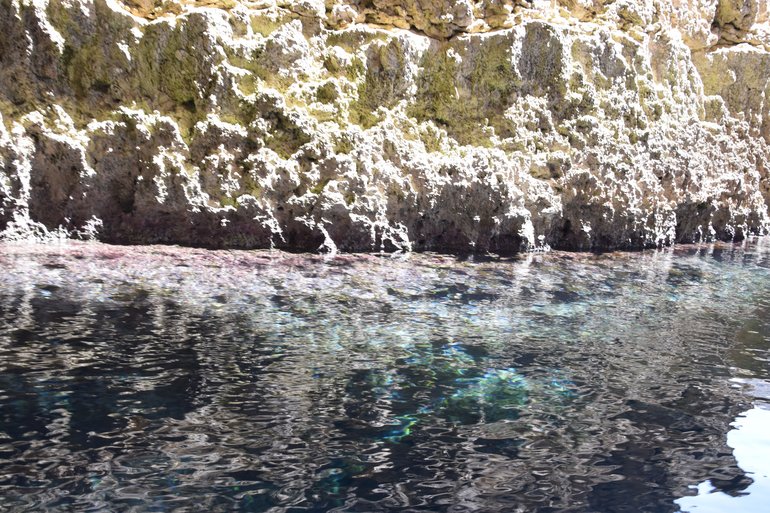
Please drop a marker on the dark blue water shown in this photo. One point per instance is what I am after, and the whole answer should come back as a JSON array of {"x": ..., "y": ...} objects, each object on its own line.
[{"x": 166, "y": 379}]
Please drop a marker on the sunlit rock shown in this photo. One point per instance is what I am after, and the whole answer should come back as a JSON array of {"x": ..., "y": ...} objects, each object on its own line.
[{"x": 493, "y": 126}]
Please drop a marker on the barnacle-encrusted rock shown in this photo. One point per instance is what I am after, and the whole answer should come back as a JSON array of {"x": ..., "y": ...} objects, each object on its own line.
[{"x": 492, "y": 125}]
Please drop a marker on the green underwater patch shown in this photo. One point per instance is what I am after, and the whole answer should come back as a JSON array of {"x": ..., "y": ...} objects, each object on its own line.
[{"x": 451, "y": 382}]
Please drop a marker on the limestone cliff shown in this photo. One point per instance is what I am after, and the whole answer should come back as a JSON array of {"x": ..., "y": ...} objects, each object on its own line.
[{"x": 491, "y": 125}]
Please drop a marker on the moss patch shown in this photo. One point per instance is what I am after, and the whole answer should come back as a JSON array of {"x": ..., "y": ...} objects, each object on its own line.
[
  {"x": 437, "y": 91},
  {"x": 88, "y": 68},
  {"x": 320, "y": 186},
  {"x": 352, "y": 40},
  {"x": 267, "y": 23},
  {"x": 383, "y": 84},
  {"x": 466, "y": 106}
]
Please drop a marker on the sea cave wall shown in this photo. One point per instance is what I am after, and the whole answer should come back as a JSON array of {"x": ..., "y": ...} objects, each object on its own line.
[{"x": 365, "y": 125}]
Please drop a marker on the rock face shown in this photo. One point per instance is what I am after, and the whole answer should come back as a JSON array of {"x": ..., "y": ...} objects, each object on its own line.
[{"x": 498, "y": 125}]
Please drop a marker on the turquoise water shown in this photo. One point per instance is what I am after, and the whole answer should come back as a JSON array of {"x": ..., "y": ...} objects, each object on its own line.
[{"x": 171, "y": 379}]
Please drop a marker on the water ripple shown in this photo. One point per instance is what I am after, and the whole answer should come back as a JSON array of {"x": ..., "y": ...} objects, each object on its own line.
[{"x": 169, "y": 379}]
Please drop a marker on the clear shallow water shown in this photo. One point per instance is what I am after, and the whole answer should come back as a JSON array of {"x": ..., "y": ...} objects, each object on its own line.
[{"x": 166, "y": 379}]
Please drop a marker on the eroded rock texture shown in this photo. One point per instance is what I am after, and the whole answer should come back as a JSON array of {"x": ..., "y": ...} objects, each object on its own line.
[{"x": 497, "y": 125}]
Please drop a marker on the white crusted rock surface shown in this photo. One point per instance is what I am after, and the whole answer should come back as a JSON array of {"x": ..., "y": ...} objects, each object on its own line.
[{"x": 358, "y": 125}]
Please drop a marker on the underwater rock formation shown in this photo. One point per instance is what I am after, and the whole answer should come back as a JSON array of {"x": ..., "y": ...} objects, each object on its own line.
[{"x": 498, "y": 125}]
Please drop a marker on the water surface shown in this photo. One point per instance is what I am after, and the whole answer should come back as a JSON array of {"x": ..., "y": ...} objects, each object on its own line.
[{"x": 168, "y": 379}]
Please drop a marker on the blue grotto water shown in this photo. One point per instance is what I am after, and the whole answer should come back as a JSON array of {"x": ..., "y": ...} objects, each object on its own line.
[{"x": 167, "y": 379}]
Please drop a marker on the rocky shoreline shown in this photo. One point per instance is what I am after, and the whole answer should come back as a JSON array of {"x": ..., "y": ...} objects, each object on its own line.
[{"x": 496, "y": 126}]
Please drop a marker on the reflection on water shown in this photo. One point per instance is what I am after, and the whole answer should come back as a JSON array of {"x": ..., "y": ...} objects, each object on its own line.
[
  {"x": 750, "y": 440},
  {"x": 167, "y": 379}
]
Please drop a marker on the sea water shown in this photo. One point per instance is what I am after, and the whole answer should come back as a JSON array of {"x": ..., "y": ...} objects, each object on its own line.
[{"x": 167, "y": 379}]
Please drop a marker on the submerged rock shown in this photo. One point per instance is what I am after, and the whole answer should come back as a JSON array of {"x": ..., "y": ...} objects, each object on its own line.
[{"x": 388, "y": 124}]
